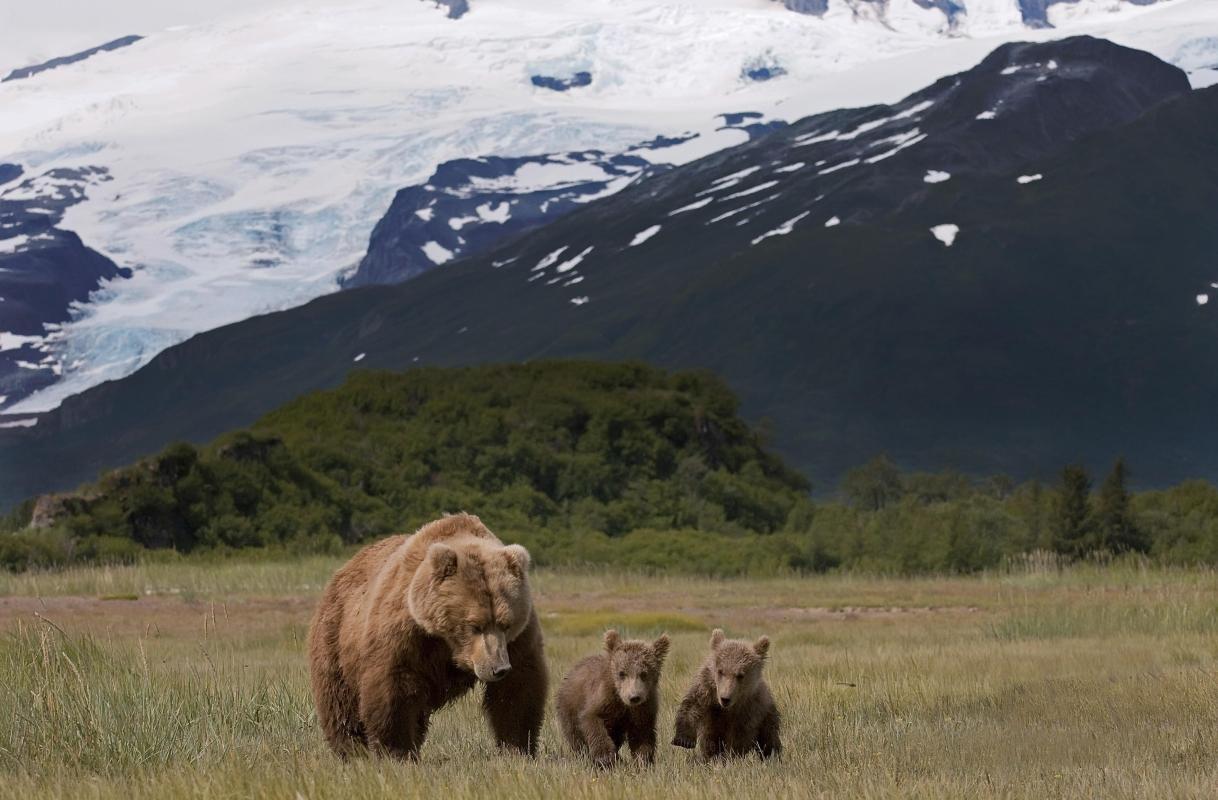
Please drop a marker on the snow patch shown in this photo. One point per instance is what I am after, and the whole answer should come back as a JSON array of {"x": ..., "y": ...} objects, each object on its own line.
[
  {"x": 20, "y": 423},
  {"x": 692, "y": 206},
  {"x": 550, "y": 260},
  {"x": 936, "y": 176},
  {"x": 644, "y": 235},
  {"x": 438, "y": 253},
  {"x": 833, "y": 222},
  {"x": 500, "y": 213},
  {"x": 851, "y": 163},
  {"x": 735, "y": 211},
  {"x": 946, "y": 233},
  {"x": 781, "y": 230},
  {"x": 9, "y": 246},
  {"x": 359, "y": 357},
  {"x": 1202, "y": 299},
  {"x": 13, "y": 341},
  {"x": 761, "y": 187},
  {"x": 791, "y": 167},
  {"x": 991, "y": 114},
  {"x": 908, "y": 139},
  {"x": 1029, "y": 178},
  {"x": 572, "y": 263},
  {"x": 579, "y": 301}
]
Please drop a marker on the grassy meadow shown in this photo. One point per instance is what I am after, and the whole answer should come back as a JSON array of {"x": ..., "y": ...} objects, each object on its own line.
[{"x": 188, "y": 679}]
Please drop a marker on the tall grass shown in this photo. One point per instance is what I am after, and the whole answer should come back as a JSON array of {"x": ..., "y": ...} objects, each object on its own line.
[{"x": 1090, "y": 684}]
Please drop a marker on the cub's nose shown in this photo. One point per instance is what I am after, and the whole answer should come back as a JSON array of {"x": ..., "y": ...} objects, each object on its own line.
[
  {"x": 500, "y": 672},
  {"x": 635, "y": 699},
  {"x": 725, "y": 701}
]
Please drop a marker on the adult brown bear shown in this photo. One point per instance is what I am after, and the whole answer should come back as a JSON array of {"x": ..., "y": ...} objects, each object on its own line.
[{"x": 411, "y": 623}]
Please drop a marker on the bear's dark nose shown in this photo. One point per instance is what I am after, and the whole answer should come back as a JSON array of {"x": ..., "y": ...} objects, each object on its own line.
[
  {"x": 635, "y": 699},
  {"x": 725, "y": 701},
  {"x": 500, "y": 672}
]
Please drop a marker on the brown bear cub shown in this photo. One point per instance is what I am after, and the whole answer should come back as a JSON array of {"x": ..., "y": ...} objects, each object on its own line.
[
  {"x": 611, "y": 697},
  {"x": 729, "y": 710},
  {"x": 413, "y": 622}
]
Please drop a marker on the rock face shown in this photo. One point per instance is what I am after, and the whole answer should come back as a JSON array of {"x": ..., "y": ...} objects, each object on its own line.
[
  {"x": 49, "y": 509},
  {"x": 27, "y": 72},
  {"x": 44, "y": 271},
  {"x": 472, "y": 204},
  {"x": 456, "y": 8},
  {"x": 1035, "y": 13},
  {"x": 805, "y": 268},
  {"x": 815, "y": 7}
]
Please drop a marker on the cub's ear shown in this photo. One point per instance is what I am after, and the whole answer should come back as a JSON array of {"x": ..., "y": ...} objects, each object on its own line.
[
  {"x": 612, "y": 640},
  {"x": 717, "y": 638},
  {"x": 517, "y": 558},
  {"x": 443, "y": 561},
  {"x": 660, "y": 646},
  {"x": 762, "y": 646}
]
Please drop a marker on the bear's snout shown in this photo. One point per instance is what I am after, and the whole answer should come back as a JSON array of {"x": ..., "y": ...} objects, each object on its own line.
[
  {"x": 491, "y": 661},
  {"x": 634, "y": 699},
  {"x": 725, "y": 701}
]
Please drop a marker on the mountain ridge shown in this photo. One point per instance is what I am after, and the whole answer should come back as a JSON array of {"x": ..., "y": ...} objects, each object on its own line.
[{"x": 831, "y": 406}]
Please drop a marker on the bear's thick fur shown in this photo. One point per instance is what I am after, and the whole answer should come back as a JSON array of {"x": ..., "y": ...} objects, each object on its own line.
[
  {"x": 611, "y": 697},
  {"x": 729, "y": 710},
  {"x": 411, "y": 623}
]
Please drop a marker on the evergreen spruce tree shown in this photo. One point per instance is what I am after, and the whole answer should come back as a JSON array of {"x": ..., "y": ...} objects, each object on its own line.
[
  {"x": 1073, "y": 524},
  {"x": 1117, "y": 530}
]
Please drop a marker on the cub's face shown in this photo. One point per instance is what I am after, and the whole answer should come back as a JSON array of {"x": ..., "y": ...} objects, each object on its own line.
[
  {"x": 476, "y": 600},
  {"x": 635, "y": 666},
  {"x": 736, "y": 667}
]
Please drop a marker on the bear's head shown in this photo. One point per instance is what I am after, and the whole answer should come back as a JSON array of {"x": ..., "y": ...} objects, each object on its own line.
[
  {"x": 736, "y": 667},
  {"x": 635, "y": 666},
  {"x": 475, "y": 598}
]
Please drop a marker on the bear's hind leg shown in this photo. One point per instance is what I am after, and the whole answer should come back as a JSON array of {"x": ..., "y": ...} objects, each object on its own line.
[{"x": 516, "y": 705}]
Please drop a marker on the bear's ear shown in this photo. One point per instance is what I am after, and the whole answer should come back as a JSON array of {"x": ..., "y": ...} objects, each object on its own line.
[
  {"x": 660, "y": 646},
  {"x": 716, "y": 638},
  {"x": 443, "y": 561},
  {"x": 762, "y": 646},
  {"x": 612, "y": 640},
  {"x": 517, "y": 558}
]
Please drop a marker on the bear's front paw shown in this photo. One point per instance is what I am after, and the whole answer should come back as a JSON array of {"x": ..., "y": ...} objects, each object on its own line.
[{"x": 681, "y": 740}]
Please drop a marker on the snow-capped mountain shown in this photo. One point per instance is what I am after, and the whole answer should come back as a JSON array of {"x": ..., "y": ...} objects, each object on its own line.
[
  {"x": 251, "y": 148},
  {"x": 1005, "y": 271}
]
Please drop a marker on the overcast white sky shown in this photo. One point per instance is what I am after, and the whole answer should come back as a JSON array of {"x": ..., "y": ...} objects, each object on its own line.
[{"x": 33, "y": 31}]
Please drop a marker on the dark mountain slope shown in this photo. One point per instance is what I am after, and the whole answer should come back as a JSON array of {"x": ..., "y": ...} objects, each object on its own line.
[{"x": 1062, "y": 323}]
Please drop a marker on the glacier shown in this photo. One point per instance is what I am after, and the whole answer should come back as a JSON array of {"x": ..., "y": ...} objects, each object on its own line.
[{"x": 252, "y": 146}]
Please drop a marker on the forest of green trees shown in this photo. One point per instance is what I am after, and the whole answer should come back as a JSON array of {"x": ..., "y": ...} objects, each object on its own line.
[{"x": 592, "y": 464}]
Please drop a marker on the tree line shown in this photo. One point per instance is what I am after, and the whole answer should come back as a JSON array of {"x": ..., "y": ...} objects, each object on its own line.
[{"x": 586, "y": 463}]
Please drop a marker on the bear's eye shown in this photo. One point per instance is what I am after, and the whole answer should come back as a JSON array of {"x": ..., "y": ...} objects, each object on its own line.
[
  {"x": 720, "y": 673},
  {"x": 643, "y": 675},
  {"x": 621, "y": 674},
  {"x": 739, "y": 676}
]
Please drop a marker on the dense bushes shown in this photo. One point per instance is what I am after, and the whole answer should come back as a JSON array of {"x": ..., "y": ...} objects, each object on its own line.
[
  {"x": 586, "y": 463},
  {"x": 560, "y": 446}
]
